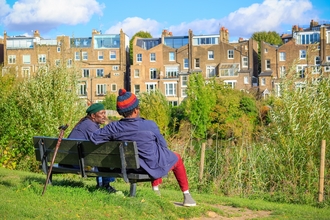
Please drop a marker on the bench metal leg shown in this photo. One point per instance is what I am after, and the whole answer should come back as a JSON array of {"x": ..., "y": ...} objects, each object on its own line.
[{"x": 132, "y": 189}]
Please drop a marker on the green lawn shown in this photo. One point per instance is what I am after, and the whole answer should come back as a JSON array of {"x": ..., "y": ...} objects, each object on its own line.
[{"x": 72, "y": 197}]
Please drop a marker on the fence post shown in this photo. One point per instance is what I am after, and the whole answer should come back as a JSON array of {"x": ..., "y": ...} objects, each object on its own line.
[
  {"x": 322, "y": 162},
  {"x": 201, "y": 168}
]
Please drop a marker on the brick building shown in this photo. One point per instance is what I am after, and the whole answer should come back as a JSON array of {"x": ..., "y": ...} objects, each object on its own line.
[
  {"x": 102, "y": 59},
  {"x": 165, "y": 63},
  {"x": 305, "y": 55}
]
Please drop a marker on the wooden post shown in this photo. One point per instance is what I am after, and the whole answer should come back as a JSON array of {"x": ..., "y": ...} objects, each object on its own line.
[
  {"x": 321, "y": 183},
  {"x": 201, "y": 168}
]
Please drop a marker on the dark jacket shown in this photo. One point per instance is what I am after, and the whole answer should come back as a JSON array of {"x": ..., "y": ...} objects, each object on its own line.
[
  {"x": 84, "y": 129},
  {"x": 154, "y": 156}
]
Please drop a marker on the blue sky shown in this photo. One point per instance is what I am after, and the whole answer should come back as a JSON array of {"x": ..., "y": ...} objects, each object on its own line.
[{"x": 79, "y": 17}]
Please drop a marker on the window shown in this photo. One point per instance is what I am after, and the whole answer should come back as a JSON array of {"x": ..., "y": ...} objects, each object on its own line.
[
  {"x": 308, "y": 38},
  {"x": 246, "y": 80},
  {"x": 185, "y": 63},
  {"x": 316, "y": 69},
  {"x": 77, "y": 56},
  {"x": 282, "y": 56},
  {"x": 263, "y": 81},
  {"x": 184, "y": 92},
  {"x": 152, "y": 57},
  {"x": 115, "y": 67},
  {"x": 113, "y": 55},
  {"x": 99, "y": 72},
  {"x": 139, "y": 57},
  {"x": 327, "y": 69},
  {"x": 229, "y": 69},
  {"x": 230, "y": 54},
  {"x": 317, "y": 60},
  {"x": 170, "y": 89},
  {"x": 84, "y": 55},
  {"x": 267, "y": 64},
  {"x": 230, "y": 83},
  {"x": 114, "y": 87},
  {"x": 101, "y": 89},
  {"x": 210, "y": 71},
  {"x": 184, "y": 81},
  {"x": 171, "y": 56},
  {"x": 211, "y": 40},
  {"x": 197, "y": 63},
  {"x": 57, "y": 62},
  {"x": 245, "y": 61},
  {"x": 151, "y": 87},
  {"x": 42, "y": 58},
  {"x": 266, "y": 50},
  {"x": 12, "y": 59},
  {"x": 327, "y": 59},
  {"x": 301, "y": 70},
  {"x": 210, "y": 55},
  {"x": 69, "y": 63},
  {"x": 58, "y": 49},
  {"x": 136, "y": 73},
  {"x": 26, "y": 59},
  {"x": 26, "y": 72},
  {"x": 153, "y": 73},
  {"x": 136, "y": 89},
  {"x": 100, "y": 55},
  {"x": 302, "y": 54},
  {"x": 282, "y": 71},
  {"x": 85, "y": 72},
  {"x": 82, "y": 89},
  {"x": 171, "y": 71},
  {"x": 173, "y": 103}
]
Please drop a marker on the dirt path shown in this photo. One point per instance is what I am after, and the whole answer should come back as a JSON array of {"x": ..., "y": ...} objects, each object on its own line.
[{"x": 232, "y": 213}]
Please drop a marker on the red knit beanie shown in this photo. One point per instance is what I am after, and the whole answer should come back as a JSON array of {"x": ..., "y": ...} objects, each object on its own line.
[{"x": 126, "y": 101}]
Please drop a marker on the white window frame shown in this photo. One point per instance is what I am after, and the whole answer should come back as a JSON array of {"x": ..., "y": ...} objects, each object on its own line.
[
  {"x": 282, "y": 71},
  {"x": 136, "y": 73},
  {"x": 152, "y": 57},
  {"x": 112, "y": 55},
  {"x": 85, "y": 73},
  {"x": 151, "y": 87},
  {"x": 184, "y": 81},
  {"x": 115, "y": 67},
  {"x": 139, "y": 57},
  {"x": 27, "y": 59},
  {"x": 230, "y": 54},
  {"x": 170, "y": 89},
  {"x": 113, "y": 87},
  {"x": 11, "y": 59},
  {"x": 57, "y": 62},
  {"x": 327, "y": 59},
  {"x": 101, "y": 89},
  {"x": 58, "y": 49},
  {"x": 263, "y": 81},
  {"x": 153, "y": 73},
  {"x": 317, "y": 60},
  {"x": 100, "y": 55},
  {"x": 184, "y": 92},
  {"x": 245, "y": 61},
  {"x": 301, "y": 69},
  {"x": 137, "y": 89},
  {"x": 26, "y": 73},
  {"x": 327, "y": 69},
  {"x": 246, "y": 80},
  {"x": 42, "y": 58},
  {"x": 77, "y": 55},
  {"x": 232, "y": 83},
  {"x": 211, "y": 71},
  {"x": 84, "y": 55},
  {"x": 171, "y": 71},
  {"x": 302, "y": 54},
  {"x": 197, "y": 63},
  {"x": 69, "y": 63},
  {"x": 267, "y": 64},
  {"x": 282, "y": 56},
  {"x": 82, "y": 89},
  {"x": 171, "y": 56},
  {"x": 210, "y": 55},
  {"x": 100, "y": 72},
  {"x": 185, "y": 63}
]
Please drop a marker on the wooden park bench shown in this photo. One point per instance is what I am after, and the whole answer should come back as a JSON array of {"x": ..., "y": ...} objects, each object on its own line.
[{"x": 119, "y": 158}]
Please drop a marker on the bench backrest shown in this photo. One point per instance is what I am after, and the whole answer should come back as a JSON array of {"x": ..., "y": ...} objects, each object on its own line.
[{"x": 112, "y": 154}]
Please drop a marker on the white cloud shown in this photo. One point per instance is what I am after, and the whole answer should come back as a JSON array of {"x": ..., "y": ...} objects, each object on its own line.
[
  {"x": 132, "y": 25},
  {"x": 5, "y": 8},
  {"x": 48, "y": 14},
  {"x": 270, "y": 15}
]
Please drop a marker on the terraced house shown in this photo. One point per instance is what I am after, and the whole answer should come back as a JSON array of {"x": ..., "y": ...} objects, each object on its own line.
[
  {"x": 102, "y": 60},
  {"x": 165, "y": 63},
  {"x": 305, "y": 55}
]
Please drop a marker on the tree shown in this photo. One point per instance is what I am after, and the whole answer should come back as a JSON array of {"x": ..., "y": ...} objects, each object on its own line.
[
  {"x": 110, "y": 102},
  {"x": 141, "y": 34}
]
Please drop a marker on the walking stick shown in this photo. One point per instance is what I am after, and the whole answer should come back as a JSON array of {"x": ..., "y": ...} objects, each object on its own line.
[{"x": 62, "y": 129}]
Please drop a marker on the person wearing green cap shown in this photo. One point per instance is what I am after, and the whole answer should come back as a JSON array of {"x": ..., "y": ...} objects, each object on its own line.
[{"x": 96, "y": 115}]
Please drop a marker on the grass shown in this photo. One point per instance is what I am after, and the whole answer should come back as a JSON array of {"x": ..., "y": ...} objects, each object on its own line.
[{"x": 72, "y": 197}]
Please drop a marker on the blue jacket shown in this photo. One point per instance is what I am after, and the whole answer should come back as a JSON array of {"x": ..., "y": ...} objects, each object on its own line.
[
  {"x": 154, "y": 156},
  {"x": 84, "y": 129}
]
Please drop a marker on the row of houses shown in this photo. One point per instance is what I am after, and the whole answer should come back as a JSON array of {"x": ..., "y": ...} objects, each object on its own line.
[{"x": 165, "y": 63}]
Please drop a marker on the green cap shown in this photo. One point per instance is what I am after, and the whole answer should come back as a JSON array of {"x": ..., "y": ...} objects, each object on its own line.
[{"x": 96, "y": 107}]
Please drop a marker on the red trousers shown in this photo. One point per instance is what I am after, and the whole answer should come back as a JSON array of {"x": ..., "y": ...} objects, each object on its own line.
[{"x": 180, "y": 174}]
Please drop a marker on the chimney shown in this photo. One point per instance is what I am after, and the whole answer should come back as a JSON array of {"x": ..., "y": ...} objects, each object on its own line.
[
  {"x": 36, "y": 33},
  {"x": 313, "y": 24}
]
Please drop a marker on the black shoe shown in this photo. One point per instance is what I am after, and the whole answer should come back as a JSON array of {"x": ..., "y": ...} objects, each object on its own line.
[{"x": 110, "y": 189}]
